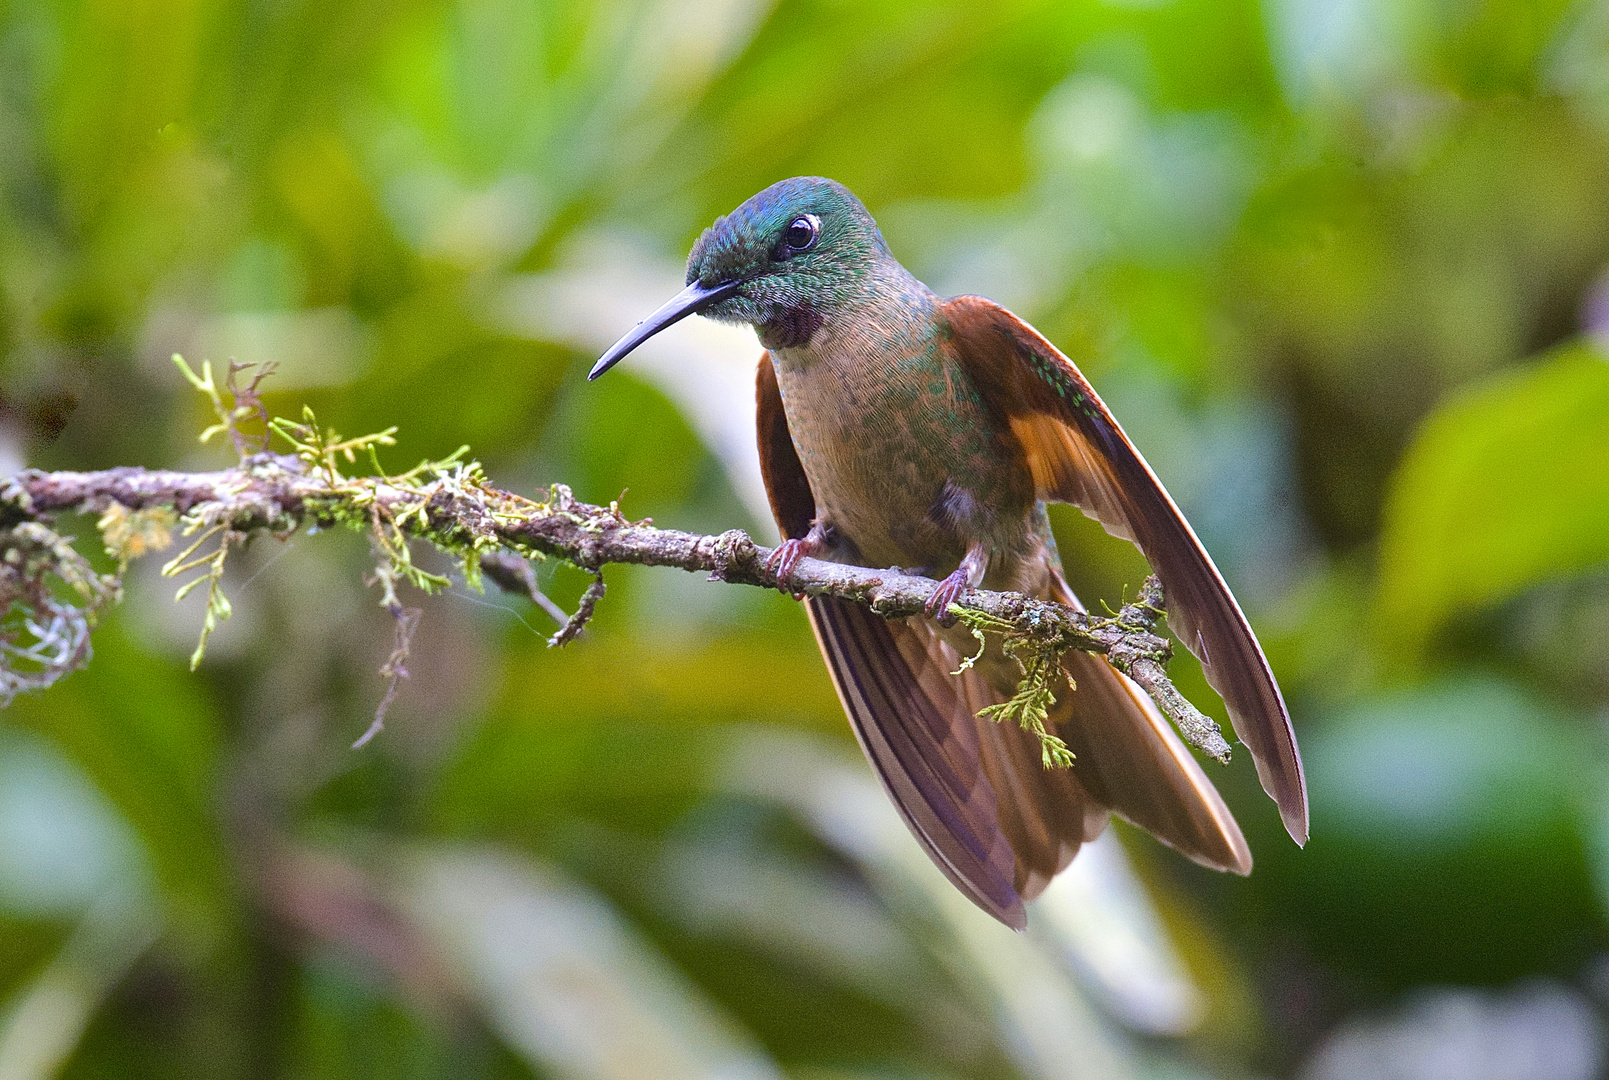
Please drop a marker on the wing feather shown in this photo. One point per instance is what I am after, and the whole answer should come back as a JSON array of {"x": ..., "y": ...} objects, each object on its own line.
[
  {"x": 1078, "y": 453},
  {"x": 926, "y": 754},
  {"x": 1045, "y": 813}
]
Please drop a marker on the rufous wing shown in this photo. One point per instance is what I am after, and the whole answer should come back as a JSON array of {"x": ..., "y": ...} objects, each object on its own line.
[{"x": 1079, "y": 454}]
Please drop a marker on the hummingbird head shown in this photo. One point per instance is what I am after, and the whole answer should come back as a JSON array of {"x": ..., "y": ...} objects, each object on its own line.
[{"x": 781, "y": 262}]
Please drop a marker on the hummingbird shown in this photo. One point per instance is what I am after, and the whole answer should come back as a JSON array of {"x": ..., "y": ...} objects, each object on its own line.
[{"x": 897, "y": 428}]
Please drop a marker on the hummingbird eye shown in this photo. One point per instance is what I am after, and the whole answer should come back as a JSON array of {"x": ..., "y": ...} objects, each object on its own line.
[{"x": 801, "y": 235}]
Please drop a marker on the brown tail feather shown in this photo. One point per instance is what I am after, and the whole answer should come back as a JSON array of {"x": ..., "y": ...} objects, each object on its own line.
[
  {"x": 974, "y": 793},
  {"x": 1044, "y": 813},
  {"x": 1134, "y": 762},
  {"x": 1129, "y": 760},
  {"x": 923, "y": 743}
]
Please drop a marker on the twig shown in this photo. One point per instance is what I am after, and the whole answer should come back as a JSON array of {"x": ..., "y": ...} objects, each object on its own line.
[
  {"x": 583, "y": 612},
  {"x": 1197, "y": 729}
]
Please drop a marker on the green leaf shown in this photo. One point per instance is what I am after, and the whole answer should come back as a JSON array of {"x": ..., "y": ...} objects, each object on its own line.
[{"x": 1506, "y": 486}]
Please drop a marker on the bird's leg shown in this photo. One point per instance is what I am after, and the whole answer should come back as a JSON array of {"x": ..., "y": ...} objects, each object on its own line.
[
  {"x": 966, "y": 576},
  {"x": 789, "y": 552}
]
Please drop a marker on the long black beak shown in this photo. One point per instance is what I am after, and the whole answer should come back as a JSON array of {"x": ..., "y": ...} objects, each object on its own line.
[{"x": 696, "y": 297}]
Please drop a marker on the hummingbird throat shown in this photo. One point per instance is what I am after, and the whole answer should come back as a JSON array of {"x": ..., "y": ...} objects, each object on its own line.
[{"x": 792, "y": 328}]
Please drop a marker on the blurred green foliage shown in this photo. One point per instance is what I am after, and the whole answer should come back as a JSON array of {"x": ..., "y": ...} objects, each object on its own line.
[
  {"x": 1505, "y": 487},
  {"x": 1342, "y": 266}
]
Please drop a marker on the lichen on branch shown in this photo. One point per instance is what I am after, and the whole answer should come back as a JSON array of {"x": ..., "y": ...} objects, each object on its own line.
[
  {"x": 451, "y": 505},
  {"x": 50, "y": 600}
]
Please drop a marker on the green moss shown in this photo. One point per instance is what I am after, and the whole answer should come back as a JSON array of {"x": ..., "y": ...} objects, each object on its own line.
[{"x": 1040, "y": 662}]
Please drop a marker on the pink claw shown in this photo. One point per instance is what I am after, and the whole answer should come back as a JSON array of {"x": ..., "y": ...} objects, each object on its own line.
[
  {"x": 948, "y": 592},
  {"x": 785, "y": 558}
]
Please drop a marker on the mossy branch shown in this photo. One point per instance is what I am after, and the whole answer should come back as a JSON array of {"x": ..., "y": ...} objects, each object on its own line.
[
  {"x": 451, "y": 505},
  {"x": 457, "y": 511}
]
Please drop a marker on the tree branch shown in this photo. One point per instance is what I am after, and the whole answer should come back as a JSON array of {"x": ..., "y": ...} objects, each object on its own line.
[{"x": 451, "y": 505}]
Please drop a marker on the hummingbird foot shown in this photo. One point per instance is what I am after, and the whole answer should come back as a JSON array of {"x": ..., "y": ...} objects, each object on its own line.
[
  {"x": 948, "y": 592},
  {"x": 789, "y": 552},
  {"x": 964, "y": 577}
]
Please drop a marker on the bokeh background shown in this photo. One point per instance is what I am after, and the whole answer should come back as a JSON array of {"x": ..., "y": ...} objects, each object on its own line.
[{"x": 1338, "y": 265}]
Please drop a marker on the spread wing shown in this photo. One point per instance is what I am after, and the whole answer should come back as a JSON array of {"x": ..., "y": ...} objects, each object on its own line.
[
  {"x": 1079, "y": 454},
  {"x": 974, "y": 794}
]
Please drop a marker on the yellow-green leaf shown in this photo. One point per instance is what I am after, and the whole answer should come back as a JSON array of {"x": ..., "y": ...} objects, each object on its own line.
[{"x": 1506, "y": 486}]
